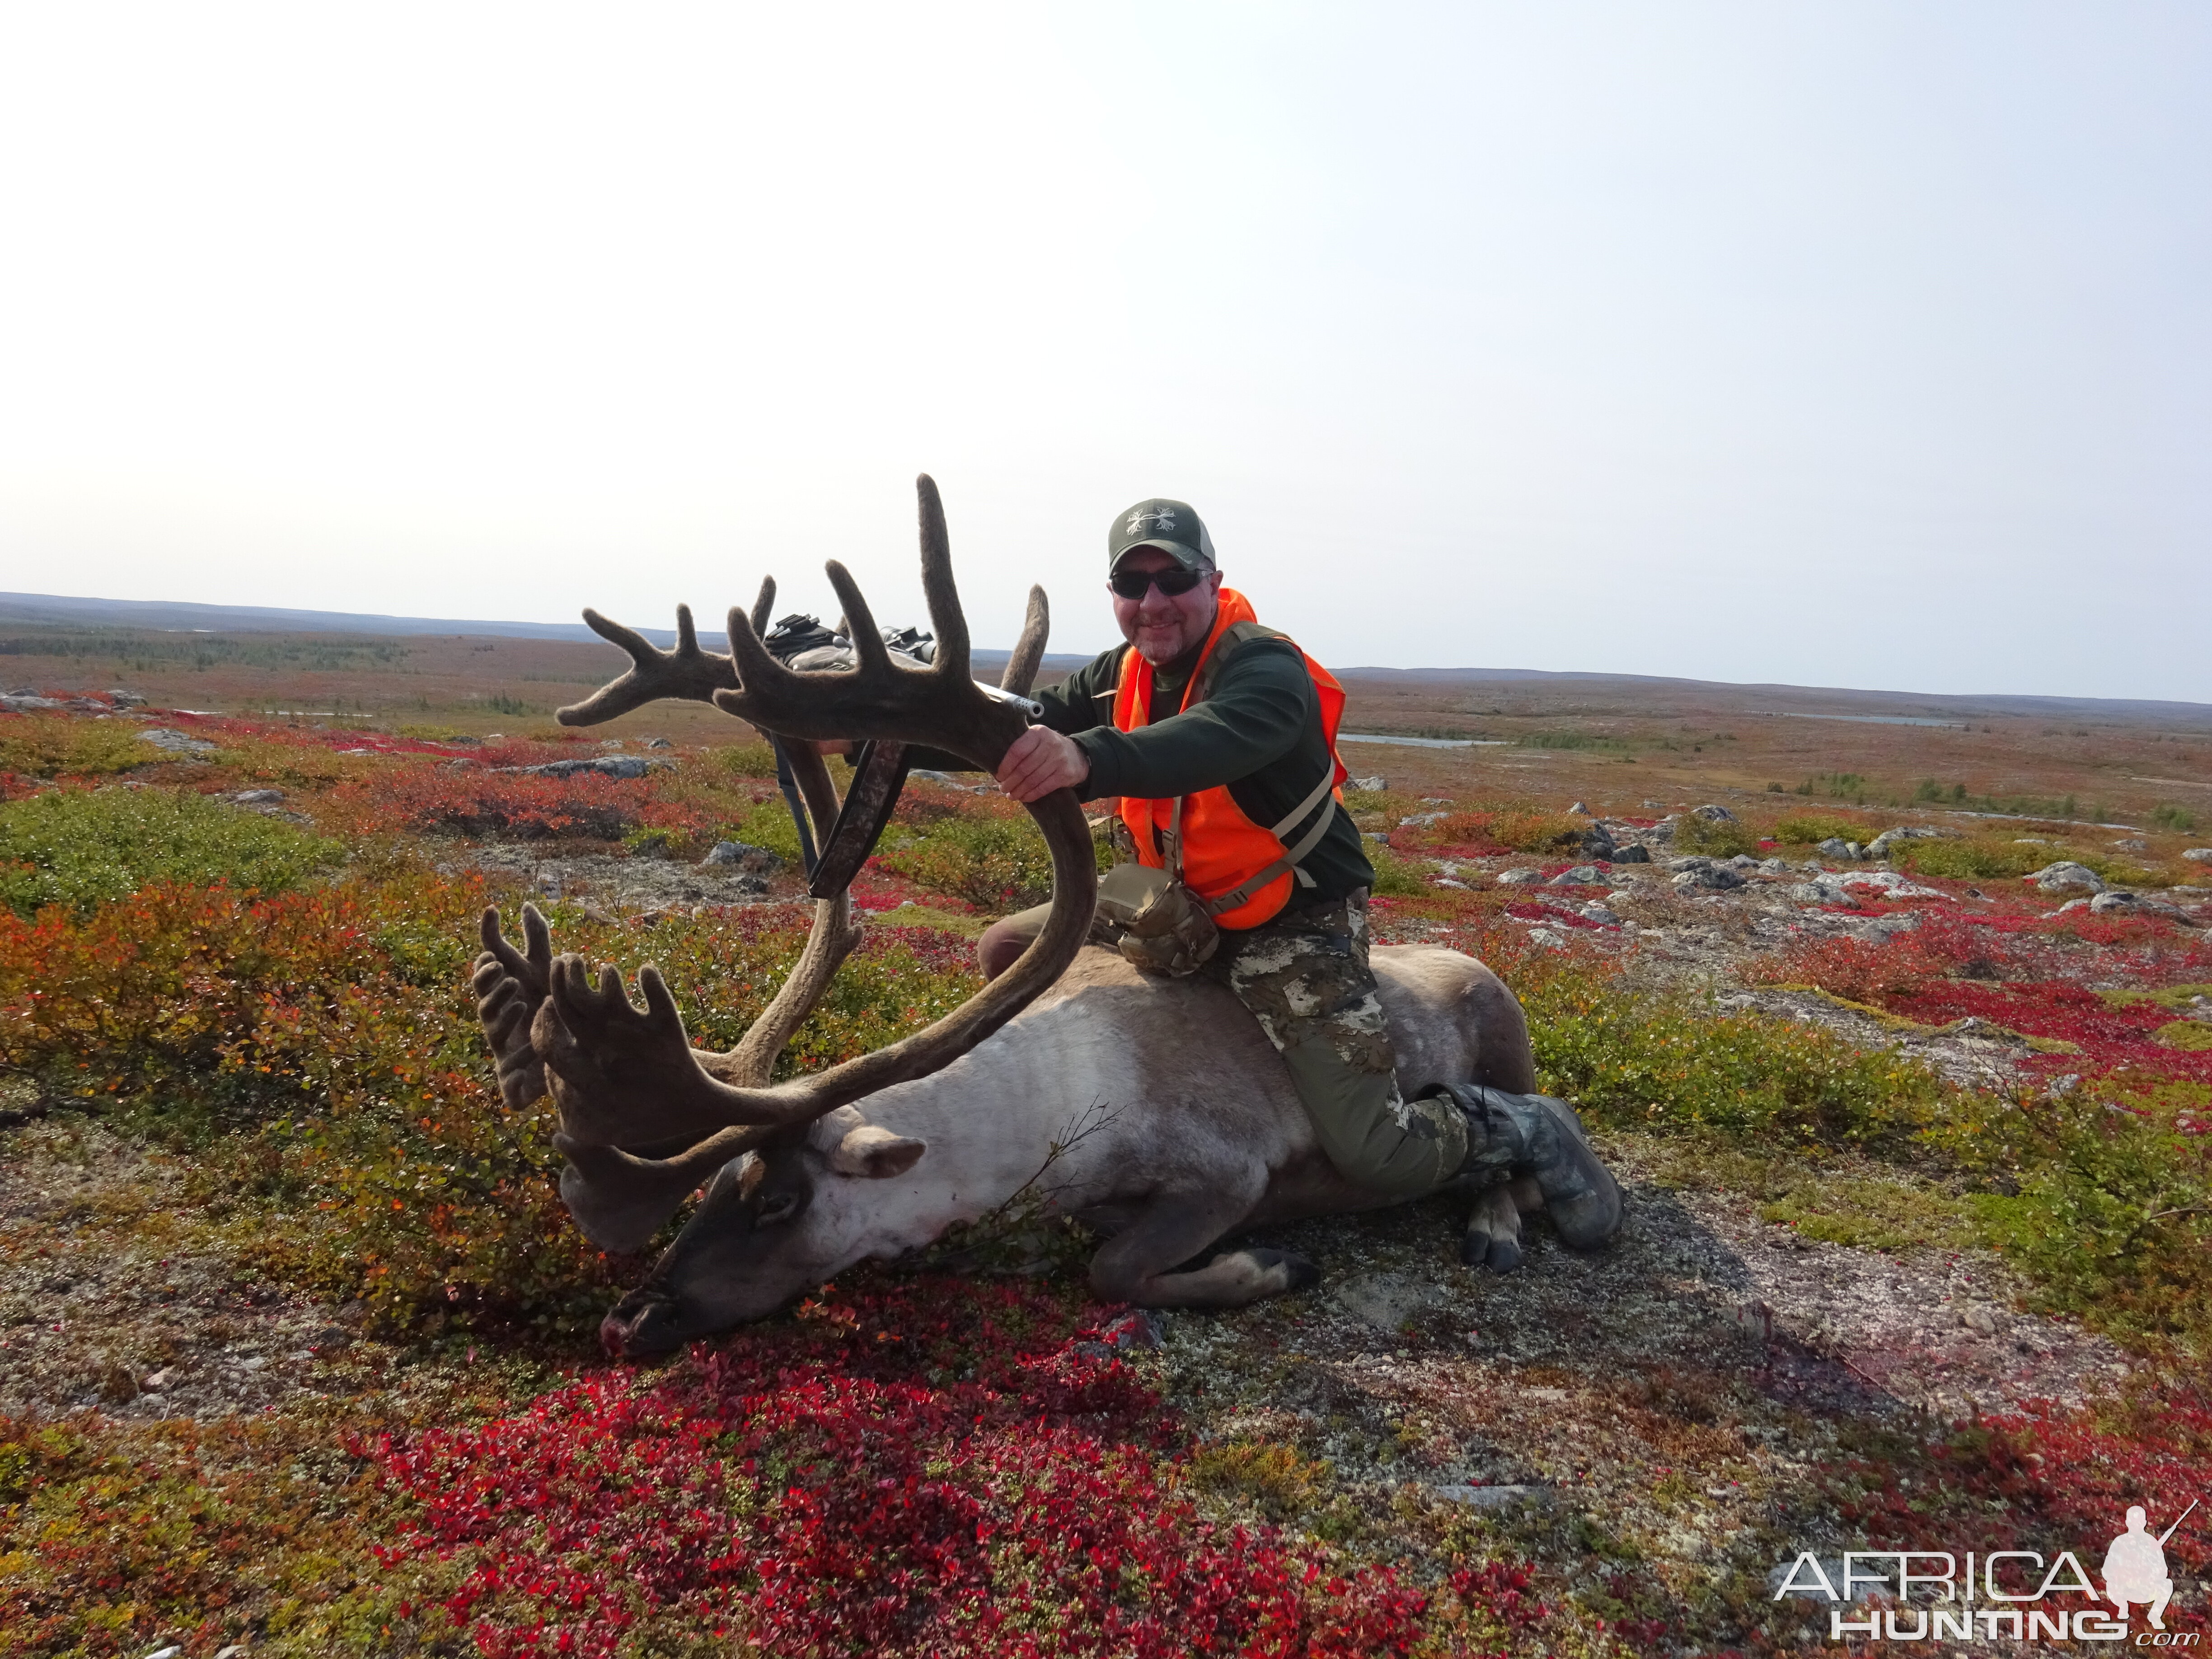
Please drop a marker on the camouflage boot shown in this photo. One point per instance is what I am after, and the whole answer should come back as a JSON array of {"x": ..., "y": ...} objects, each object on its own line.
[{"x": 1512, "y": 1135}]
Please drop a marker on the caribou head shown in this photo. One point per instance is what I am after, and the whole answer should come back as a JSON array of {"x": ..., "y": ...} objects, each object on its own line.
[{"x": 644, "y": 1117}]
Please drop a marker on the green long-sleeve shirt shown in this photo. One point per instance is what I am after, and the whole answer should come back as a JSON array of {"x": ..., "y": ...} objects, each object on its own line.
[{"x": 1258, "y": 730}]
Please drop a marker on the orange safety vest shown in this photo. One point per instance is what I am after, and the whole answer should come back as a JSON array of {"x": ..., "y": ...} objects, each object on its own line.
[{"x": 1243, "y": 871}]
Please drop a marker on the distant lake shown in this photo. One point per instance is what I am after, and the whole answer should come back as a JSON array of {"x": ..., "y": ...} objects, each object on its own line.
[
  {"x": 1426, "y": 743},
  {"x": 1874, "y": 719}
]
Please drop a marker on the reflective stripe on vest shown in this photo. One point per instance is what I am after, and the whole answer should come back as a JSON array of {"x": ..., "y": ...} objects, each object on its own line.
[{"x": 1244, "y": 871}]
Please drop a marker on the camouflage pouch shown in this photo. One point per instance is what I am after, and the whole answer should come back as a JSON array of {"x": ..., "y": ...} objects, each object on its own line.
[{"x": 1161, "y": 926}]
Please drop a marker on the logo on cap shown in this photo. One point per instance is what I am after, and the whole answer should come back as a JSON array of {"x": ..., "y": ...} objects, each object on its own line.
[{"x": 1157, "y": 518}]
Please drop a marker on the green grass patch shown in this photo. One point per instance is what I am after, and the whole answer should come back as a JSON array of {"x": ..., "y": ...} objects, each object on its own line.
[
  {"x": 84, "y": 848},
  {"x": 56, "y": 746}
]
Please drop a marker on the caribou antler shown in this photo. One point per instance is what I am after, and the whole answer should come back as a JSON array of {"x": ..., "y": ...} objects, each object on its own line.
[
  {"x": 938, "y": 706},
  {"x": 686, "y": 673},
  {"x": 638, "y": 1081},
  {"x": 1029, "y": 650}
]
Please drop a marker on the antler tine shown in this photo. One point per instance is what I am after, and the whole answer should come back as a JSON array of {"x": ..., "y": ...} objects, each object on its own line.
[
  {"x": 1029, "y": 650},
  {"x": 869, "y": 652},
  {"x": 686, "y": 671},
  {"x": 621, "y": 1199},
  {"x": 946, "y": 615},
  {"x": 763, "y": 605}
]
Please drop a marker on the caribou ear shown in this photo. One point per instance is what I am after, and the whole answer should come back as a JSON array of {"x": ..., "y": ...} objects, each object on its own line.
[{"x": 874, "y": 1153}]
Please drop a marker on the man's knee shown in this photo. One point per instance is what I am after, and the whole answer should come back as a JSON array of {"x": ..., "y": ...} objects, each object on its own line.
[
  {"x": 1001, "y": 945},
  {"x": 1375, "y": 1140}
]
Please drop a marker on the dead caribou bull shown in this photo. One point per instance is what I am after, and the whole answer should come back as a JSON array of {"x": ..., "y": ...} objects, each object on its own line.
[{"x": 1193, "y": 1129}]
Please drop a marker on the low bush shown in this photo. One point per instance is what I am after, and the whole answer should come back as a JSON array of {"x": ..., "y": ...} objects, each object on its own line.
[
  {"x": 996, "y": 863},
  {"x": 80, "y": 848},
  {"x": 1807, "y": 829},
  {"x": 55, "y": 745},
  {"x": 1720, "y": 839},
  {"x": 1515, "y": 830},
  {"x": 743, "y": 760},
  {"x": 431, "y": 799}
]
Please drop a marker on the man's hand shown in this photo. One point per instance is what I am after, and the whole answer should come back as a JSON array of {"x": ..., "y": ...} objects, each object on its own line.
[{"x": 1041, "y": 761}]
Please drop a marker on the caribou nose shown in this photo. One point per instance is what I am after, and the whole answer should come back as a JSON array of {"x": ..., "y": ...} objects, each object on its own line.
[{"x": 642, "y": 1324}]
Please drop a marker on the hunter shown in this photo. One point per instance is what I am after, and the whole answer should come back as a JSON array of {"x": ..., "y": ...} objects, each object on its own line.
[{"x": 1219, "y": 735}]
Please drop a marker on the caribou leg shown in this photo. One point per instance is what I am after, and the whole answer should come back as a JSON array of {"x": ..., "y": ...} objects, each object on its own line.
[
  {"x": 1137, "y": 1264},
  {"x": 1492, "y": 1239}
]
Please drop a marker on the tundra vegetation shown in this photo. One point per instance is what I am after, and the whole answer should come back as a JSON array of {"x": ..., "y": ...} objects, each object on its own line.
[{"x": 296, "y": 1341}]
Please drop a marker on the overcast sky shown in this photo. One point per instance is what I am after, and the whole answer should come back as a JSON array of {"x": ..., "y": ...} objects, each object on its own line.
[{"x": 1857, "y": 344}]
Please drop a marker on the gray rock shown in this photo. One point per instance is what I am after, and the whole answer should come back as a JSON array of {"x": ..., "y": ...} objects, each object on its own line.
[
  {"x": 1520, "y": 878},
  {"x": 757, "y": 860},
  {"x": 1600, "y": 914},
  {"x": 1421, "y": 820},
  {"x": 2104, "y": 903},
  {"x": 1583, "y": 875},
  {"x": 1714, "y": 878},
  {"x": 1835, "y": 848},
  {"x": 29, "y": 702},
  {"x": 608, "y": 766},
  {"x": 660, "y": 742},
  {"x": 1496, "y": 1497},
  {"x": 2132, "y": 844},
  {"x": 1712, "y": 814},
  {"x": 1881, "y": 843},
  {"x": 1774, "y": 866},
  {"x": 1546, "y": 937},
  {"x": 176, "y": 743},
  {"x": 2059, "y": 877},
  {"x": 1373, "y": 786},
  {"x": 1743, "y": 861},
  {"x": 126, "y": 699},
  {"x": 1378, "y": 837},
  {"x": 2199, "y": 854},
  {"x": 1630, "y": 854},
  {"x": 1694, "y": 861},
  {"x": 1816, "y": 892},
  {"x": 1663, "y": 832},
  {"x": 258, "y": 796},
  {"x": 1853, "y": 850},
  {"x": 1579, "y": 807}
]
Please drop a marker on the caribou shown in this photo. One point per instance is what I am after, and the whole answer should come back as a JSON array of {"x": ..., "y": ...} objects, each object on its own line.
[{"x": 1191, "y": 1131}]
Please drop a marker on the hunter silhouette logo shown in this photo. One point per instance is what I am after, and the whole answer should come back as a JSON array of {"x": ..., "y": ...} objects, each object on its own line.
[
  {"x": 1999, "y": 1593},
  {"x": 1157, "y": 518},
  {"x": 2135, "y": 1567}
]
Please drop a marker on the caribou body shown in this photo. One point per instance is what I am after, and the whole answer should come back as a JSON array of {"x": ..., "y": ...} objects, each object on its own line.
[{"x": 1153, "y": 1110}]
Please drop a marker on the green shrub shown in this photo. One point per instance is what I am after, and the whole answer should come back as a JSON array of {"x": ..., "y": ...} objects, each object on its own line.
[
  {"x": 55, "y": 745},
  {"x": 2170, "y": 816},
  {"x": 1976, "y": 860},
  {"x": 1721, "y": 839},
  {"x": 768, "y": 824},
  {"x": 83, "y": 848},
  {"x": 1395, "y": 877},
  {"x": 1807, "y": 829},
  {"x": 1999, "y": 860},
  {"x": 744, "y": 760},
  {"x": 996, "y": 863},
  {"x": 1672, "y": 1065}
]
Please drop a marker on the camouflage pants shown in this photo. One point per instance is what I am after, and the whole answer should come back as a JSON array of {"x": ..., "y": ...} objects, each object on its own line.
[{"x": 1306, "y": 979}]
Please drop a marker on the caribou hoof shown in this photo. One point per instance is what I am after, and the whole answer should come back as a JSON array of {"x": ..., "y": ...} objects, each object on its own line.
[
  {"x": 1500, "y": 1254},
  {"x": 1267, "y": 1271},
  {"x": 642, "y": 1325}
]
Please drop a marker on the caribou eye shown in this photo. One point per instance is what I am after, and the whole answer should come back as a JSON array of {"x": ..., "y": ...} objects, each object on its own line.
[{"x": 776, "y": 1208}]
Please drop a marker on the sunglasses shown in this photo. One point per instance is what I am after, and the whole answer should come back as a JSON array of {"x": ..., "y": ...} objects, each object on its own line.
[{"x": 1174, "y": 581}]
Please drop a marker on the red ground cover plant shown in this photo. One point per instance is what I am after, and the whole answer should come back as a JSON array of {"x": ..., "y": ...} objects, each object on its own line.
[
  {"x": 427, "y": 800},
  {"x": 938, "y": 1466},
  {"x": 2045, "y": 1478}
]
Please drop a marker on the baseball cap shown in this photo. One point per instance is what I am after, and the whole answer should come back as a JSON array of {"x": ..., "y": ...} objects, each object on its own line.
[{"x": 1172, "y": 526}]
